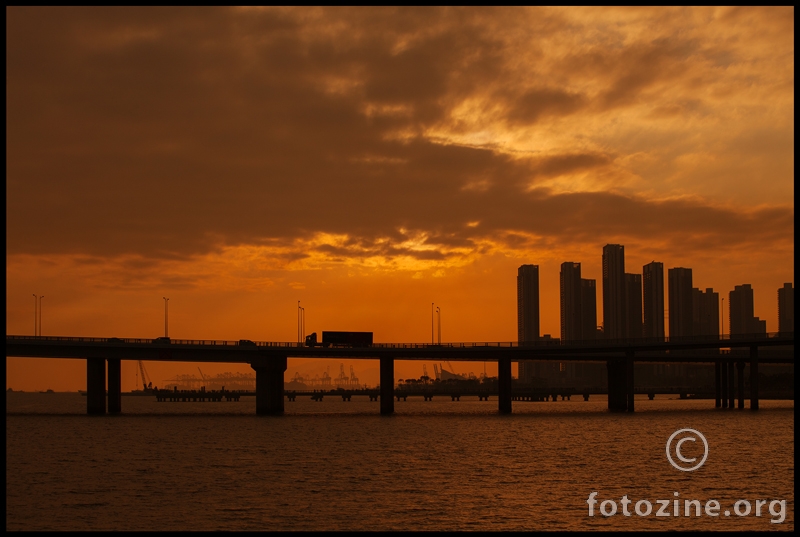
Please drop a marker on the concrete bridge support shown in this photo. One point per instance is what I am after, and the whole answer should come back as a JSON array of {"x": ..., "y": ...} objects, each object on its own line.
[
  {"x": 740, "y": 378},
  {"x": 387, "y": 386},
  {"x": 504, "y": 385},
  {"x": 717, "y": 384},
  {"x": 95, "y": 385},
  {"x": 629, "y": 378},
  {"x": 724, "y": 383},
  {"x": 269, "y": 386},
  {"x": 114, "y": 386},
  {"x": 753, "y": 378},
  {"x": 731, "y": 385},
  {"x": 617, "y": 384}
]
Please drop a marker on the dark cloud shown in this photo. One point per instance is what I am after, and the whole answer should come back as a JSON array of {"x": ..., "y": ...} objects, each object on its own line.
[{"x": 173, "y": 132}]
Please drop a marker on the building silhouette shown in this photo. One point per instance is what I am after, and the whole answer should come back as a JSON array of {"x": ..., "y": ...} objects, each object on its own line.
[
  {"x": 614, "y": 291},
  {"x": 705, "y": 312},
  {"x": 633, "y": 306},
  {"x": 588, "y": 309},
  {"x": 742, "y": 318},
  {"x": 571, "y": 304},
  {"x": 786, "y": 309},
  {"x": 527, "y": 313},
  {"x": 681, "y": 314},
  {"x": 653, "y": 295}
]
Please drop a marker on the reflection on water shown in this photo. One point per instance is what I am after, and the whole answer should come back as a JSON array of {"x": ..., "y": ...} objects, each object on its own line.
[{"x": 334, "y": 465}]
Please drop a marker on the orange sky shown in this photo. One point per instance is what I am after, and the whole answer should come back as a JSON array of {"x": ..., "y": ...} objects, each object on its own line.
[{"x": 368, "y": 162}]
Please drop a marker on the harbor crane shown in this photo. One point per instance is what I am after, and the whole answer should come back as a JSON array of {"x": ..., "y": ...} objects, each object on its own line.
[
  {"x": 202, "y": 376},
  {"x": 146, "y": 383}
]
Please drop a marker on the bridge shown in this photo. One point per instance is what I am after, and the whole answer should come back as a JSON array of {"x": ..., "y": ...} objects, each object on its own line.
[{"x": 269, "y": 360}]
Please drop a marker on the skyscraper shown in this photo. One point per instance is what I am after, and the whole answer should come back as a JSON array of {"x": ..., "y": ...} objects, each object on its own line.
[
  {"x": 571, "y": 316},
  {"x": 653, "y": 294},
  {"x": 786, "y": 309},
  {"x": 527, "y": 313},
  {"x": 705, "y": 312},
  {"x": 742, "y": 319},
  {"x": 680, "y": 302},
  {"x": 614, "y": 291},
  {"x": 588, "y": 309},
  {"x": 633, "y": 306}
]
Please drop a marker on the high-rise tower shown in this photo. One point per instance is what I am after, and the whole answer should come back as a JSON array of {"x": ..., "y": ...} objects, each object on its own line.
[
  {"x": 653, "y": 294},
  {"x": 786, "y": 309},
  {"x": 571, "y": 314},
  {"x": 680, "y": 302},
  {"x": 527, "y": 313},
  {"x": 614, "y": 291}
]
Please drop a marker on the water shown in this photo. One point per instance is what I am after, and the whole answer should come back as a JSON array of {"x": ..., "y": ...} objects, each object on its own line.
[{"x": 334, "y": 465}]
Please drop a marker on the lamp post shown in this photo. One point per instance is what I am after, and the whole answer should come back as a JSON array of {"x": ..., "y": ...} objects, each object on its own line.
[
  {"x": 298, "y": 321},
  {"x": 166, "y": 316},
  {"x": 431, "y": 323},
  {"x": 439, "y": 319},
  {"x": 40, "y": 314},
  {"x": 36, "y": 317}
]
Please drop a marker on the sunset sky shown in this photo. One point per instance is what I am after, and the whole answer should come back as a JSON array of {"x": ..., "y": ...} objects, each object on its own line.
[{"x": 370, "y": 162}]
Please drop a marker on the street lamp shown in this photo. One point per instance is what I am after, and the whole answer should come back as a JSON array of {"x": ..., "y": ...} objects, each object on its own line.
[
  {"x": 439, "y": 319},
  {"x": 298, "y": 321},
  {"x": 166, "y": 316},
  {"x": 40, "y": 314},
  {"x": 35, "y": 316},
  {"x": 431, "y": 323}
]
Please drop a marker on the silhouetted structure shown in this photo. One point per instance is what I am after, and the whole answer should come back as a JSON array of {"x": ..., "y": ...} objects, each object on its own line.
[
  {"x": 742, "y": 318},
  {"x": 588, "y": 309},
  {"x": 614, "y": 291},
  {"x": 633, "y": 305},
  {"x": 680, "y": 302},
  {"x": 705, "y": 312},
  {"x": 786, "y": 309},
  {"x": 527, "y": 312},
  {"x": 571, "y": 307},
  {"x": 653, "y": 294}
]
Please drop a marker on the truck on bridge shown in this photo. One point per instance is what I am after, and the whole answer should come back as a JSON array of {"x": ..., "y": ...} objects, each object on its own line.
[{"x": 340, "y": 339}]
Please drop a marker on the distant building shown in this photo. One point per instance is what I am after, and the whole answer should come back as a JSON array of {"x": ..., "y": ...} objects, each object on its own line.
[
  {"x": 571, "y": 307},
  {"x": 633, "y": 306},
  {"x": 653, "y": 295},
  {"x": 742, "y": 319},
  {"x": 588, "y": 309},
  {"x": 705, "y": 312},
  {"x": 614, "y": 291},
  {"x": 786, "y": 309},
  {"x": 680, "y": 302},
  {"x": 527, "y": 313}
]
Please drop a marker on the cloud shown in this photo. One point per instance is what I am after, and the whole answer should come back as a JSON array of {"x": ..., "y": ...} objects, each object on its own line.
[{"x": 175, "y": 134}]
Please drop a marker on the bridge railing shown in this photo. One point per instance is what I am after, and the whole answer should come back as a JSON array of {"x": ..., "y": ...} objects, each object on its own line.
[{"x": 550, "y": 342}]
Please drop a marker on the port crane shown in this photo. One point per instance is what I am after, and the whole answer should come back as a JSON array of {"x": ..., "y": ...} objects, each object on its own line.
[
  {"x": 202, "y": 376},
  {"x": 146, "y": 383}
]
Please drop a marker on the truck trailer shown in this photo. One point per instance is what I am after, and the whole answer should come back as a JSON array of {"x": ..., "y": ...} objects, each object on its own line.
[{"x": 340, "y": 339}]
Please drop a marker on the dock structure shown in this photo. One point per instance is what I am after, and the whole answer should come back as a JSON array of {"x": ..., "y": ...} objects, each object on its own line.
[{"x": 269, "y": 361}]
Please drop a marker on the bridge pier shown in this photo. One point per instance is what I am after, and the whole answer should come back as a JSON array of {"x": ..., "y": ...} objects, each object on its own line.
[
  {"x": 269, "y": 386},
  {"x": 95, "y": 385},
  {"x": 731, "y": 386},
  {"x": 629, "y": 377},
  {"x": 617, "y": 384},
  {"x": 504, "y": 385},
  {"x": 724, "y": 383},
  {"x": 754, "y": 378},
  {"x": 387, "y": 386},
  {"x": 740, "y": 378},
  {"x": 717, "y": 384},
  {"x": 114, "y": 386}
]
